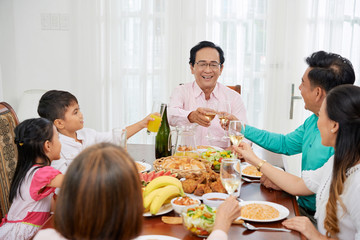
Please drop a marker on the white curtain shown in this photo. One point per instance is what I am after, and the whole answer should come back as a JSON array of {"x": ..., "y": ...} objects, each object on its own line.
[
  {"x": 150, "y": 41},
  {"x": 145, "y": 46}
]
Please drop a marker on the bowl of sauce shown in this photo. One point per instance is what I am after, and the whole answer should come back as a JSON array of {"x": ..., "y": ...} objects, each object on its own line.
[{"x": 214, "y": 199}]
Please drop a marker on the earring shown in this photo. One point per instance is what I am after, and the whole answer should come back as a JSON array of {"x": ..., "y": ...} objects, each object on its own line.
[{"x": 332, "y": 130}]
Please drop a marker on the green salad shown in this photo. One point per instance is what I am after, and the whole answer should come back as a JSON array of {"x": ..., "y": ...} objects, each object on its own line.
[
  {"x": 199, "y": 220},
  {"x": 215, "y": 157}
]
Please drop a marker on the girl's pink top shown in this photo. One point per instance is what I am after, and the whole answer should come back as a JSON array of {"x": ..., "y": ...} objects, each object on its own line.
[{"x": 33, "y": 206}]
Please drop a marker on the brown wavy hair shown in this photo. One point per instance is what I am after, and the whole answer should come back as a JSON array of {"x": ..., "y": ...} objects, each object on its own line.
[
  {"x": 343, "y": 106},
  {"x": 101, "y": 196}
]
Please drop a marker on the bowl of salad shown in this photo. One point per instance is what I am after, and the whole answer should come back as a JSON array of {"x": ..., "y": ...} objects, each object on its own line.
[
  {"x": 199, "y": 220},
  {"x": 215, "y": 157}
]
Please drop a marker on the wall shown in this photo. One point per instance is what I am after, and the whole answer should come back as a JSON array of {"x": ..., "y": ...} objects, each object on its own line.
[{"x": 40, "y": 52}]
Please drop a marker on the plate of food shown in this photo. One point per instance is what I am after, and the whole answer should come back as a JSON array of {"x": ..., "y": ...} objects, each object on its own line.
[
  {"x": 215, "y": 157},
  {"x": 142, "y": 167},
  {"x": 249, "y": 170},
  {"x": 262, "y": 211},
  {"x": 156, "y": 237},
  {"x": 163, "y": 210}
]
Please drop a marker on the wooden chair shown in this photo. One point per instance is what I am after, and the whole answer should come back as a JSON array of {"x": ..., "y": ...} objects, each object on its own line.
[
  {"x": 8, "y": 154},
  {"x": 237, "y": 88}
]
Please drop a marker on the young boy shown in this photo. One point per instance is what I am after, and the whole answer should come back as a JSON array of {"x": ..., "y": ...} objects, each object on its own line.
[{"x": 63, "y": 110}]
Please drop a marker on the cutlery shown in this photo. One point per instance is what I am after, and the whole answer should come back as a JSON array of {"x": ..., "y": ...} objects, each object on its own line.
[
  {"x": 178, "y": 220},
  {"x": 253, "y": 228},
  {"x": 250, "y": 180}
]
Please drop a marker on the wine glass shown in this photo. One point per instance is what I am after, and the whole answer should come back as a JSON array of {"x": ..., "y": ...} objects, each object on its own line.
[
  {"x": 223, "y": 113},
  {"x": 235, "y": 132},
  {"x": 210, "y": 115},
  {"x": 230, "y": 176}
]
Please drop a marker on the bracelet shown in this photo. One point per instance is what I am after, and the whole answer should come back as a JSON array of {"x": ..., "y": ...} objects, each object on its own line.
[{"x": 260, "y": 165}]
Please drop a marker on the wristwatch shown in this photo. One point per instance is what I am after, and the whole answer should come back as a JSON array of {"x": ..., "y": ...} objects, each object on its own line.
[{"x": 260, "y": 165}]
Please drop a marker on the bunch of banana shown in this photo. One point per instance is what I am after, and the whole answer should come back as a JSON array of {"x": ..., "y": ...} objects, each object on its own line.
[{"x": 159, "y": 191}]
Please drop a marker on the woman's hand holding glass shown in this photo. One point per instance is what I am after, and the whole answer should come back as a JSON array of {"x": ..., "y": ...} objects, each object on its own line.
[{"x": 243, "y": 150}]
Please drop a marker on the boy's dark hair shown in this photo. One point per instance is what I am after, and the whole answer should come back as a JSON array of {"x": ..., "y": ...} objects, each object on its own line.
[
  {"x": 329, "y": 70},
  {"x": 53, "y": 104},
  {"x": 205, "y": 44}
]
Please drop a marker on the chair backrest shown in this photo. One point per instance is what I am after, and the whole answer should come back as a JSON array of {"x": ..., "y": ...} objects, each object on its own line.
[
  {"x": 8, "y": 153},
  {"x": 237, "y": 88}
]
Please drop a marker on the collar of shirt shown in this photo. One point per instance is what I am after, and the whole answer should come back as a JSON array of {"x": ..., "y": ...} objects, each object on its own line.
[
  {"x": 79, "y": 136},
  {"x": 198, "y": 92}
]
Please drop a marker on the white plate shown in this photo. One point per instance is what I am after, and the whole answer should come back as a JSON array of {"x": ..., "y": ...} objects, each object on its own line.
[
  {"x": 163, "y": 210},
  {"x": 156, "y": 237},
  {"x": 214, "y": 147},
  {"x": 283, "y": 211},
  {"x": 244, "y": 165},
  {"x": 146, "y": 165}
]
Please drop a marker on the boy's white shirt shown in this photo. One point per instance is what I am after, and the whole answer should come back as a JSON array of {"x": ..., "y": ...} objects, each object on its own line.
[{"x": 70, "y": 148}]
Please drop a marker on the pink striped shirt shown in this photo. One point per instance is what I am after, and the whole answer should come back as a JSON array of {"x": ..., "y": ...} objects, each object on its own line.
[{"x": 188, "y": 97}]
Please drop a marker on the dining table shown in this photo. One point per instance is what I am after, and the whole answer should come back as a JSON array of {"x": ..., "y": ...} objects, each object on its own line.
[{"x": 153, "y": 225}]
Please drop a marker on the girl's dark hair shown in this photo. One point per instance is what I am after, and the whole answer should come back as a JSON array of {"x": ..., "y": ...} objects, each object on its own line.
[
  {"x": 30, "y": 136},
  {"x": 343, "y": 106},
  {"x": 101, "y": 196}
]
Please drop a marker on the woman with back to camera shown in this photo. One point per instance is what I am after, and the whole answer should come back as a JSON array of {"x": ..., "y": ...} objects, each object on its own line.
[{"x": 337, "y": 183}]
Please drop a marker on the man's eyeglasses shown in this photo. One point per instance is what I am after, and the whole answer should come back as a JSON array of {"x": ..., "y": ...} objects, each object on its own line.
[{"x": 213, "y": 65}]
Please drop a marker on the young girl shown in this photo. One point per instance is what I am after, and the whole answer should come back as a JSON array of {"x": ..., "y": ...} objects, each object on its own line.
[
  {"x": 34, "y": 180},
  {"x": 336, "y": 184}
]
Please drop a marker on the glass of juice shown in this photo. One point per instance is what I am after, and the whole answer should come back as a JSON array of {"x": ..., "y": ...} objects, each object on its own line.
[{"x": 154, "y": 125}]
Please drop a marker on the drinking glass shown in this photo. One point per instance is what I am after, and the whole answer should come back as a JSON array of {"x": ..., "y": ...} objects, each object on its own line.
[
  {"x": 223, "y": 113},
  {"x": 235, "y": 132},
  {"x": 210, "y": 115},
  {"x": 154, "y": 125},
  {"x": 120, "y": 137},
  {"x": 230, "y": 176}
]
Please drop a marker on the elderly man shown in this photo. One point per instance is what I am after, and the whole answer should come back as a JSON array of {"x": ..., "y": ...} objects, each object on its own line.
[
  {"x": 325, "y": 71},
  {"x": 191, "y": 102}
]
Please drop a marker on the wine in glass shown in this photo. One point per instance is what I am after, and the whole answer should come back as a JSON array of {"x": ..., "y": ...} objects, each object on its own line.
[
  {"x": 235, "y": 132},
  {"x": 230, "y": 176},
  {"x": 223, "y": 113},
  {"x": 210, "y": 114}
]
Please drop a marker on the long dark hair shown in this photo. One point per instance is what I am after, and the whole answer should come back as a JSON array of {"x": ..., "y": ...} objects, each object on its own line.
[
  {"x": 30, "y": 136},
  {"x": 343, "y": 106},
  {"x": 101, "y": 196}
]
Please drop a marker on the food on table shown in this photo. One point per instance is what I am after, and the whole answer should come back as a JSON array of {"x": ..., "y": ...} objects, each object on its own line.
[
  {"x": 185, "y": 201},
  {"x": 215, "y": 157},
  {"x": 160, "y": 191},
  {"x": 140, "y": 167},
  {"x": 259, "y": 212},
  {"x": 207, "y": 182},
  {"x": 199, "y": 220},
  {"x": 146, "y": 177},
  {"x": 204, "y": 147},
  {"x": 251, "y": 171},
  {"x": 182, "y": 163},
  {"x": 185, "y": 148}
]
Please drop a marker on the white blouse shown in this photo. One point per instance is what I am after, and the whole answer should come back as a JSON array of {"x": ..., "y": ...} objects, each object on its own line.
[{"x": 319, "y": 180}]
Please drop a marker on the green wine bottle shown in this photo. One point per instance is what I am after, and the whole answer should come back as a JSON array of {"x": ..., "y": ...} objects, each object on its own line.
[{"x": 161, "y": 143}]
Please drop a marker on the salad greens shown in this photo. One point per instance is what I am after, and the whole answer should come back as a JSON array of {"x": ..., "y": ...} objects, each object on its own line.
[
  {"x": 199, "y": 220},
  {"x": 215, "y": 157}
]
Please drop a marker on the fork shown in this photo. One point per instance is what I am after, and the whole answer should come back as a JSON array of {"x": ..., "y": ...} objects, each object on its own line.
[
  {"x": 253, "y": 228},
  {"x": 250, "y": 180}
]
